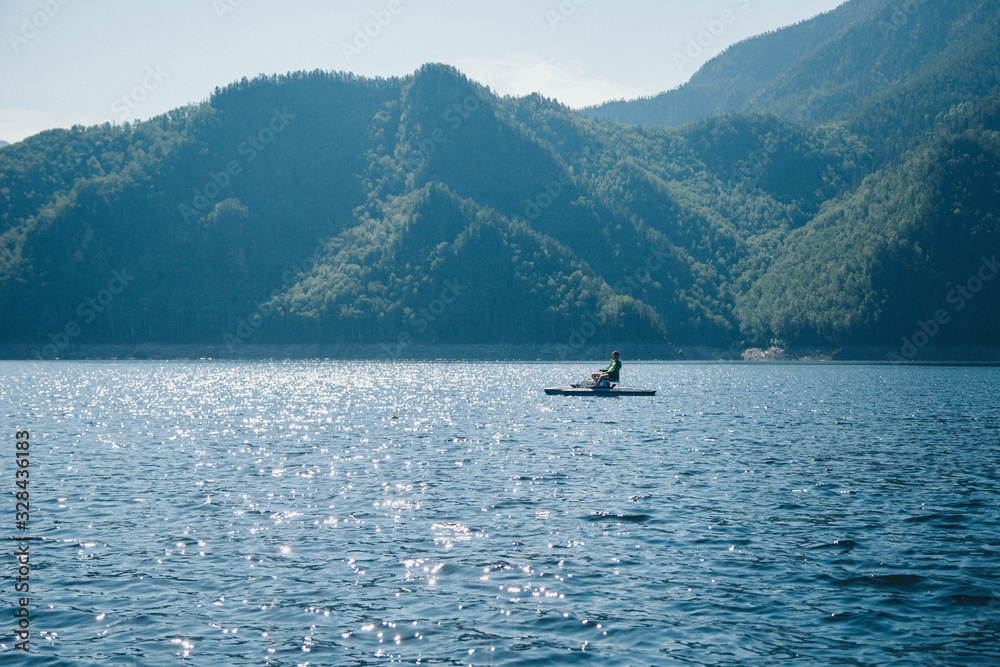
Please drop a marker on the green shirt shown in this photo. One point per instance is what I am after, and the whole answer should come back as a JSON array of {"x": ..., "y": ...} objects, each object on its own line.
[{"x": 613, "y": 369}]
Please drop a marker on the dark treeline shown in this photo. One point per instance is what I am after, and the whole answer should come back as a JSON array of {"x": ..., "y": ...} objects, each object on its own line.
[{"x": 323, "y": 207}]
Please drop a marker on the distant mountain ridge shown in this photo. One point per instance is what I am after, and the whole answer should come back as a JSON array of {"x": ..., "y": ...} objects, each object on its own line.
[
  {"x": 837, "y": 66},
  {"x": 325, "y": 208}
]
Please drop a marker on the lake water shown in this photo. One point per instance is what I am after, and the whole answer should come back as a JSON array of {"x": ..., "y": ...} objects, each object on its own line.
[{"x": 347, "y": 513}]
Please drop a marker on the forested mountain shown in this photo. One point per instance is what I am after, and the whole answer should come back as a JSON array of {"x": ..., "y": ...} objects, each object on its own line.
[
  {"x": 324, "y": 207},
  {"x": 885, "y": 67}
]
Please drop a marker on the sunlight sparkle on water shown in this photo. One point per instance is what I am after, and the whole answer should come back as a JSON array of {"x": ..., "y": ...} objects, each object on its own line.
[{"x": 457, "y": 511}]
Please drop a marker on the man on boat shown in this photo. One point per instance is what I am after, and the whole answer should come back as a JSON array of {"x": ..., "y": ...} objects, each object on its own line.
[{"x": 609, "y": 374}]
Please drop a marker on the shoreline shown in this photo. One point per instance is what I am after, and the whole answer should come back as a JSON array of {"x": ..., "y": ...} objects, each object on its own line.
[{"x": 456, "y": 352}]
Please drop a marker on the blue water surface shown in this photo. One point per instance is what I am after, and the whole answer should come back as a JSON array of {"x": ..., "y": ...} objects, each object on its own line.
[{"x": 353, "y": 513}]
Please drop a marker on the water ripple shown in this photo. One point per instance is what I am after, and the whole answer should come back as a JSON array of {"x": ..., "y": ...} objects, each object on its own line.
[{"x": 262, "y": 513}]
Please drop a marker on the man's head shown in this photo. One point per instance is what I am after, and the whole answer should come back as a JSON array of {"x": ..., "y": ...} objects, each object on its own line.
[{"x": 614, "y": 355}]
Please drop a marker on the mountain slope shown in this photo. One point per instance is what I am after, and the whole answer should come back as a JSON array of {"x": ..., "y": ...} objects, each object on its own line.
[
  {"x": 325, "y": 208},
  {"x": 860, "y": 62},
  {"x": 731, "y": 81},
  {"x": 470, "y": 272},
  {"x": 895, "y": 252}
]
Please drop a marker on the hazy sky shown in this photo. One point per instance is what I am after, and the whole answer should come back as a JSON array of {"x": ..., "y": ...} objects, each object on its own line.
[{"x": 66, "y": 62}]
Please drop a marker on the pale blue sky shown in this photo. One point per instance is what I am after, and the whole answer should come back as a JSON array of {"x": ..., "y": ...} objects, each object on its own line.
[{"x": 65, "y": 62}]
